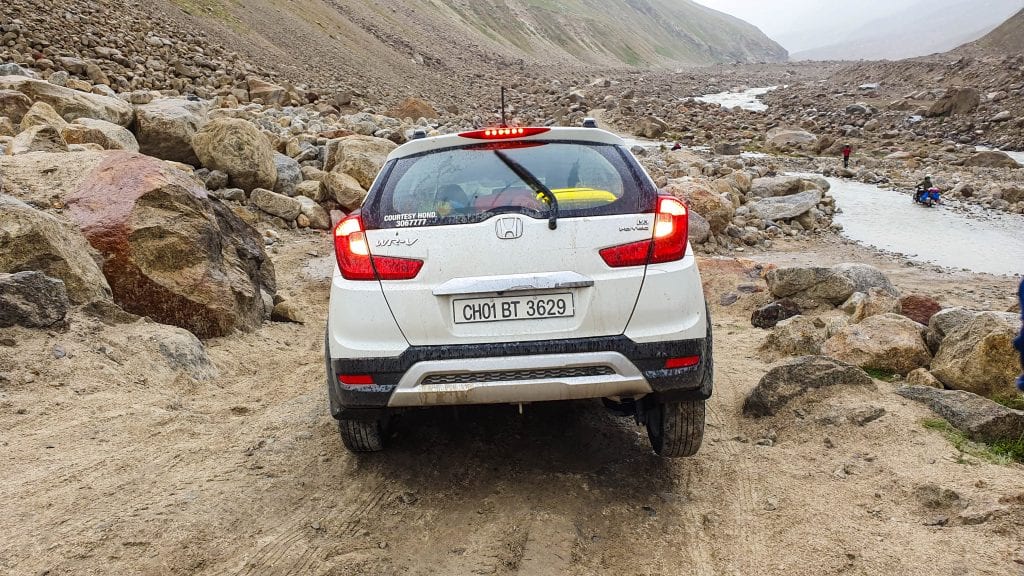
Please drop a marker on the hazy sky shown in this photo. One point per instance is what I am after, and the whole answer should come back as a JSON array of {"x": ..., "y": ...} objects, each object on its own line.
[{"x": 802, "y": 24}]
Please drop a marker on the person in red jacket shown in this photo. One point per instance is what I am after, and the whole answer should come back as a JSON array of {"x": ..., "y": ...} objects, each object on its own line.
[{"x": 846, "y": 155}]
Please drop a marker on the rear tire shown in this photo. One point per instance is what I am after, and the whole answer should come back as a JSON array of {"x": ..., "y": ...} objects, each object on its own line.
[
  {"x": 676, "y": 429},
  {"x": 363, "y": 435}
]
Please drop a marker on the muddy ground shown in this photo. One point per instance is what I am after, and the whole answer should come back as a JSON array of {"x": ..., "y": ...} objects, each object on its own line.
[{"x": 110, "y": 463}]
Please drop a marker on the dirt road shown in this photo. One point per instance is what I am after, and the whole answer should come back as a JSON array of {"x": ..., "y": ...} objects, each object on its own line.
[{"x": 110, "y": 463}]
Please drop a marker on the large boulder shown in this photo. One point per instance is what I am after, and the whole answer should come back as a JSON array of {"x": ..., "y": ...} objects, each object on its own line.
[
  {"x": 31, "y": 299},
  {"x": 714, "y": 207},
  {"x": 787, "y": 139},
  {"x": 361, "y": 157},
  {"x": 42, "y": 114},
  {"x": 269, "y": 94},
  {"x": 919, "y": 308},
  {"x": 796, "y": 336},
  {"x": 239, "y": 149},
  {"x": 314, "y": 213},
  {"x": 38, "y": 139},
  {"x": 813, "y": 283},
  {"x": 34, "y": 240},
  {"x": 876, "y": 301},
  {"x": 651, "y": 127},
  {"x": 698, "y": 228},
  {"x": 865, "y": 277},
  {"x": 888, "y": 342},
  {"x": 771, "y": 186},
  {"x": 991, "y": 159},
  {"x": 71, "y": 104},
  {"x": 978, "y": 355},
  {"x": 955, "y": 101},
  {"x": 170, "y": 252},
  {"x": 47, "y": 179},
  {"x": 345, "y": 189},
  {"x": 786, "y": 207},
  {"x": 979, "y": 418},
  {"x": 106, "y": 134},
  {"x": 289, "y": 175},
  {"x": 14, "y": 105},
  {"x": 414, "y": 108},
  {"x": 796, "y": 377},
  {"x": 165, "y": 128},
  {"x": 275, "y": 204}
]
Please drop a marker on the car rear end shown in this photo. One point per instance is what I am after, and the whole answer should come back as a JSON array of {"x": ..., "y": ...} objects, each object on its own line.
[{"x": 513, "y": 265}]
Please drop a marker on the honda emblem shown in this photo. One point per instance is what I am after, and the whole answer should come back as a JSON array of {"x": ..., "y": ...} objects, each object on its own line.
[{"x": 509, "y": 228}]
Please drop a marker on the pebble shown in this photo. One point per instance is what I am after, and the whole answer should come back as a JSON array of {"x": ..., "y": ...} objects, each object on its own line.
[{"x": 59, "y": 351}]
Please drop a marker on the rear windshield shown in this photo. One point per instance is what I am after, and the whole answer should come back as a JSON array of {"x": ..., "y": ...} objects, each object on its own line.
[{"x": 472, "y": 184}]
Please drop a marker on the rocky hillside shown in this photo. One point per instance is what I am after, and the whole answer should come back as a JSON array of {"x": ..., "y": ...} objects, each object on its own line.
[
  {"x": 1008, "y": 38},
  {"x": 384, "y": 49}
]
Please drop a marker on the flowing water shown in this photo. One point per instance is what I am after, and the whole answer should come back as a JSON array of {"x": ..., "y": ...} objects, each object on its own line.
[
  {"x": 747, "y": 99},
  {"x": 961, "y": 236}
]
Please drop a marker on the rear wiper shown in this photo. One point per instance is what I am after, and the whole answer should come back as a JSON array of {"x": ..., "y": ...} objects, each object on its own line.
[{"x": 536, "y": 185}]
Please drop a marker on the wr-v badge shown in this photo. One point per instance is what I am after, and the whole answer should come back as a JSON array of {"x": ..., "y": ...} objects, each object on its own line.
[{"x": 509, "y": 228}]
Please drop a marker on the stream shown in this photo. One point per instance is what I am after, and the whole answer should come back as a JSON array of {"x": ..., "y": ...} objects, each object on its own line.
[
  {"x": 953, "y": 236},
  {"x": 746, "y": 99}
]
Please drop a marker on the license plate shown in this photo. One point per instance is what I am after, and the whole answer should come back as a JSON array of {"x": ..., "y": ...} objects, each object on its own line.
[{"x": 471, "y": 310}]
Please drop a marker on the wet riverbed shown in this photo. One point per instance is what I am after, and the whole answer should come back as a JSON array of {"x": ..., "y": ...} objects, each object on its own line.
[
  {"x": 745, "y": 99},
  {"x": 960, "y": 236}
]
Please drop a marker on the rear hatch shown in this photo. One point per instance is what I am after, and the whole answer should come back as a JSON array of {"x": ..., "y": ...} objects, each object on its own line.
[{"x": 493, "y": 268}]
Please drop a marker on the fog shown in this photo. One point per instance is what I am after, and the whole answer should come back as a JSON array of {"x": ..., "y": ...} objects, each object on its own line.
[{"x": 805, "y": 25}]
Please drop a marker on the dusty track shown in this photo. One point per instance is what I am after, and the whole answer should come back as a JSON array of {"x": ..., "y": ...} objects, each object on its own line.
[{"x": 110, "y": 464}]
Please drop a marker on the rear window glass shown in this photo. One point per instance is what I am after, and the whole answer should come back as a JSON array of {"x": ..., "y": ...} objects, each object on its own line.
[{"x": 471, "y": 184}]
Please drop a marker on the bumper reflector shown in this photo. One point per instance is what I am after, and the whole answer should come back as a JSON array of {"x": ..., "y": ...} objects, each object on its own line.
[
  {"x": 682, "y": 362},
  {"x": 355, "y": 379}
]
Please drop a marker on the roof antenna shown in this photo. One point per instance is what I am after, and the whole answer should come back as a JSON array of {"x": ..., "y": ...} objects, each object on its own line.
[{"x": 503, "y": 123}]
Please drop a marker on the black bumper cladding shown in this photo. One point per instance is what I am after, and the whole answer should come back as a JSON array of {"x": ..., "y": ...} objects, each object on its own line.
[{"x": 668, "y": 384}]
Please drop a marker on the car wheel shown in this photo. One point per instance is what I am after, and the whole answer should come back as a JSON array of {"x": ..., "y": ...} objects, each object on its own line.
[
  {"x": 363, "y": 435},
  {"x": 676, "y": 428}
]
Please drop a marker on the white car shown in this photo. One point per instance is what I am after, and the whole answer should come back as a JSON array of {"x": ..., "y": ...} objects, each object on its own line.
[{"x": 518, "y": 265}]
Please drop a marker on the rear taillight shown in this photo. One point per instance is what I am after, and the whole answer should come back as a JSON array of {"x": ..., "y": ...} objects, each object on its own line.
[
  {"x": 682, "y": 362},
  {"x": 356, "y": 379},
  {"x": 503, "y": 133},
  {"x": 355, "y": 262},
  {"x": 668, "y": 242}
]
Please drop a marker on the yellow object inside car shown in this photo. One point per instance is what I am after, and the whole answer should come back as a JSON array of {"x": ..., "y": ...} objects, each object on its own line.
[{"x": 579, "y": 198}]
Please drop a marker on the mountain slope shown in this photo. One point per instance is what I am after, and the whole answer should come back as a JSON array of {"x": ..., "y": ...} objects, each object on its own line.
[
  {"x": 927, "y": 27},
  {"x": 1008, "y": 38}
]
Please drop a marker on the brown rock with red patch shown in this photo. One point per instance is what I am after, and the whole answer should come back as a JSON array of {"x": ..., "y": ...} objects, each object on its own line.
[
  {"x": 919, "y": 308},
  {"x": 171, "y": 252}
]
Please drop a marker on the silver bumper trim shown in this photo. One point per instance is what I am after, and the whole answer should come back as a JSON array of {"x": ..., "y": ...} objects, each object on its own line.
[{"x": 626, "y": 380}]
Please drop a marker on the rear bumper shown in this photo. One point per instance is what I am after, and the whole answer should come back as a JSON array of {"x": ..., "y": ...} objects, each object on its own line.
[{"x": 520, "y": 372}]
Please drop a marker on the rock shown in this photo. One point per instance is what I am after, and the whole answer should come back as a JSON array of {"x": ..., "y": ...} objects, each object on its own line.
[
  {"x": 6, "y": 129},
  {"x": 71, "y": 104},
  {"x": 42, "y": 114},
  {"x": 215, "y": 180},
  {"x": 47, "y": 179},
  {"x": 413, "y": 108},
  {"x": 888, "y": 342},
  {"x": 287, "y": 311},
  {"x": 183, "y": 351},
  {"x": 289, "y": 175},
  {"x": 345, "y": 190},
  {"x": 651, "y": 127},
  {"x": 361, "y": 157},
  {"x": 876, "y": 301},
  {"x": 919, "y": 308},
  {"x": 318, "y": 217},
  {"x": 270, "y": 94},
  {"x": 786, "y": 139},
  {"x": 776, "y": 186},
  {"x": 728, "y": 148},
  {"x": 978, "y": 356},
  {"x": 770, "y": 315},
  {"x": 814, "y": 283},
  {"x": 979, "y": 418},
  {"x": 312, "y": 189},
  {"x": 31, "y": 299},
  {"x": 165, "y": 128},
  {"x": 12, "y": 69},
  {"x": 865, "y": 277},
  {"x": 796, "y": 377},
  {"x": 717, "y": 210},
  {"x": 276, "y": 204},
  {"x": 14, "y": 105},
  {"x": 922, "y": 377},
  {"x": 955, "y": 101},
  {"x": 34, "y": 240},
  {"x": 785, "y": 207},
  {"x": 106, "y": 134},
  {"x": 991, "y": 159},
  {"x": 169, "y": 252},
  {"x": 796, "y": 336},
  {"x": 239, "y": 149},
  {"x": 698, "y": 229},
  {"x": 38, "y": 139}
]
